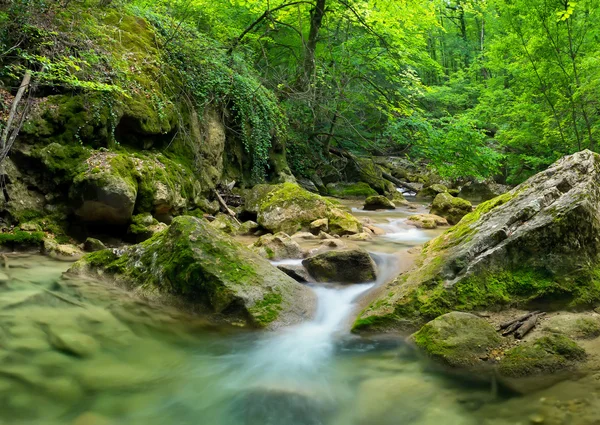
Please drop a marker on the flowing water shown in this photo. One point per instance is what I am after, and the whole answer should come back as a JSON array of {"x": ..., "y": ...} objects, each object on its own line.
[{"x": 85, "y": 353}]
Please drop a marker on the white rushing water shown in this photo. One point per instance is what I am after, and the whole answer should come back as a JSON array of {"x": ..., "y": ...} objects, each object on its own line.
[{"x": 399, "y": 231}]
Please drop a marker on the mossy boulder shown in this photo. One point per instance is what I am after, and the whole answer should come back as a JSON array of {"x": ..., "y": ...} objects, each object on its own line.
[
  {"x": 346, "y": 266},
  {"x": 277, "y": 247},
  {"x": 544, "y": 355},
  {"x": 358, "y": 190},
  {"x": 378, "y": 202},
  {"x": 457, "y": 339},
  {"x": 364, "y": 169},
  {"x": 427, "y": 221},
  {"x": 143, "y": 226},
  {"x": 432, "y": 191},
  {"x": 93, "y": 245},
  {"x": 199, "y": 268},
  {"x": 225, "y": 223},
  {"x": 482, "y": 191},
  {"x": 451, "y": 208},
  {"x": 288, "y": 208},
  {"x": 535, "y": 246},
  {"x": 574, "y": 325}
]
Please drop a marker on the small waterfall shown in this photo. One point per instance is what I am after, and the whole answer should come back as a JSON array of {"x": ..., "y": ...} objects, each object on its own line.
[{"x": 399, "y": 231}]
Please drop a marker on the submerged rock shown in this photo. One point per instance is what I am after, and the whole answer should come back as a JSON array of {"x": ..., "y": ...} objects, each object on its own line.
[
  {"x": 289, "y": 208},
  {"x": 533, "y": 245},
  {"x": 457, "y": 339},
  {"x": 197, "y": 267},
  {"x": 451, "y": 208},
  {"x": 348, "y": 266},
  {"x": 277, "y": 247},
  {"x": 379, "y": 202}
]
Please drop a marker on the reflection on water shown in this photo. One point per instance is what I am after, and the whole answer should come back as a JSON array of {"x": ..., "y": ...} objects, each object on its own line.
[{"x": 86, "y": 353}]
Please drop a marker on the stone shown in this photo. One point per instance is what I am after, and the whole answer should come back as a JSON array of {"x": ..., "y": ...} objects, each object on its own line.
[
  {"x": 296, "y": 272},
  {"x": 457, "y": 339},
  {"x": 482, "y": 191},
  {"x": 342, "y": 190},
  {"x": 360, "y": 237},
  {"x": 288, "y": 208},
  {"x": 333, "y": 243},
  {"x": 61, "y": 251},
  {"x": 76, "y": 344},
  {"x": 226, "y": 224},
  {"x": 432, "y": 191},
  {"x": 208, "y": 207},
  {"x": 427, "y": 221},
  {"x": 451, "y": 208},
  {"x": 573, "y": 325},
  {"x": 320, "y": 225},
  {"x": 544, "y": 355},
  {"x": 199, "y": 268},
  {"x": 536, "y": 244},
  {"x": 143, "y": 227},
  {"x": 347, "y": 266},
  {"x": 304, "y": 235},
  {"x": 248, "y": 228},
  {"x": 93, "y": 245},
  {"x": 277, "y": 247},
  {"x": 30, "y": 227},
  {"x": 379, "y": 202}
]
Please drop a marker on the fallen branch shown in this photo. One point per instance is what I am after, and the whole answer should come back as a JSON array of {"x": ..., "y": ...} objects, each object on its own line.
[
  {"x": 399, "y": 182},
  {"x": 520, "y": 319},
  {"x": 528, "y": 326},
  {"x": 13, "y": 109},
  {"x": 225, "y": 207}
]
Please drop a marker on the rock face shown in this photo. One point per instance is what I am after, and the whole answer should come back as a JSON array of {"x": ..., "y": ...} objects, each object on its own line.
[
  {"x": 457, "y": 339},
  {"x": 348, "y": 266},
  {"x": 289, "y": 208},
  {"x": 373, "y": 203},
  {"x": 535, "y": 244},
  {"x": 198, "y": 267},
  {"x": 451, "y": 208},
  {"x": 277, "y": 247}
]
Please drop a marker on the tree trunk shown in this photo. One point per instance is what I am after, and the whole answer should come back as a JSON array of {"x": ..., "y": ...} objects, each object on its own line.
[{"x": 316, "y": 20}]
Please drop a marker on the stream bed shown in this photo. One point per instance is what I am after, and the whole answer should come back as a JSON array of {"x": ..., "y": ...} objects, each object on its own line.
[{"x": 82, "y": 352}]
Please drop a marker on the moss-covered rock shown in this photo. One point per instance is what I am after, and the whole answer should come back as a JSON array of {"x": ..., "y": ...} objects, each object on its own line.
[
  {"x": 358, "y": 190},
  {"x": 363, "y": 169},
  {"x": 143, "y": 226},
  {"x": 451, "y": 208},
  {"x": 482, "y": 191},
  {"x": 378, "y": 202},
  {"x": 432, "y": 191},
  {"x": 277, "y": 247},
  {"x": 288, "y": 208},
  {"x": 427, "y": 221},
  {"x": 225, "y": 223},
  {"x": 574, "y": 325},
  {"x": 535, "y": 246},
  {"x": 347, "y": 266},
  {"x": 457, "y": 339},
  {"x": 93, "y": 245},
  {"x": 544, "y": 355},
  {"x": 200, "y": 268}
]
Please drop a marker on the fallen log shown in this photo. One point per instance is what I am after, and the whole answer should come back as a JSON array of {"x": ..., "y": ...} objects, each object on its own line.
[
  {"x": 528, "y": 326},
  {"x": 399, "y": 182},
  {"x": 520, "y": 319},
  {"x": 512, "y": 328}
]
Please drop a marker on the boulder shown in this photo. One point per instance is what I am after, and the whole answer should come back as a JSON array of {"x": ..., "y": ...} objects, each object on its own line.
[
  {"x": 359, "y": 190},
  {"x": 427, "y": 221},
  {"x": 451, "y": 208},
  {"x": 534, "y": 246},
  {"x": 296, "y": 272},
  {"x": 225, "y": 223},
  {"x": 277, "y": 247},
  {"x": 199, "y": 268},
  {"x": 457, "y": 339},
  {"x": 61, "y": 251},
  {"x": 347, "y": 266},
  {"x": 544, "y": 355},
  {"x": 289, "y": 208},
  {"x": 143, "y": 227},
  {"x": 432, "y": 191},
  {"x": 379, "y": 202},
  {"x": 248, "y": 228},
  {"x": 574, "y": 325},
  {"x": 318, "y": 226},
  {"x": 363, "y": 169},
  {"x": 93, "y": 245},
  {"x": 482, "y": 191}
]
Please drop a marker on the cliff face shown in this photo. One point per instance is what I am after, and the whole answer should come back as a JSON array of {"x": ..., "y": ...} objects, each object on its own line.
[{"x": 119, "y": 122}]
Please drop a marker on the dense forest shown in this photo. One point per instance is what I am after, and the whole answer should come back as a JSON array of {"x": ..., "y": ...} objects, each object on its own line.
[{"x": 475, "y": 88}]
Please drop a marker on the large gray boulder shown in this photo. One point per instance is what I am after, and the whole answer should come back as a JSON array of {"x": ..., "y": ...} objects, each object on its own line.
[
  {"x": 451, "y": 208},
  {"x": 346, "y": 266},
  {"x": 193, "y": 265},
  {"x": 537, "y": 244}
]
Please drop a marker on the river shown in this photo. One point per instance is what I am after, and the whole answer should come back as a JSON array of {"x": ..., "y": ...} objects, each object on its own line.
[{"x": 86, "y": 353}]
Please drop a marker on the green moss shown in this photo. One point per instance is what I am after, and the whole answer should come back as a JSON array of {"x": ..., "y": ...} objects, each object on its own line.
[
  {"x": 545, "y": 355},
  {"x": 19, "y": 237},
  {"x": 351, "y": 190},
  {"x": 268, "y": 309}
]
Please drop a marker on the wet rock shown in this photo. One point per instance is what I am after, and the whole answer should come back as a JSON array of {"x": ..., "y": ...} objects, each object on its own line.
[
  {"x": 544, "y": 355},
  {"x": 93, "y": 245},
  {"x": 432, "y": 191},
  {"x": 320, "y": 225},
  {"x": 277, "y": 247},
  {"x": 482, "y": 191},
  {"x": 451, "y": 208},
  {"x": 62, "y": 251},
  {"x": 347, "y": 266},
  {"x": 535, "y": 244},
  {"x": 573, "y": 325},
  {"x": 195, "y": 266},
  {"x": 304, "y": 235},
  {"x": 373, "y": 203},
  {"x": 457, "y": 339},
  {"x": 76, "y": 344},
  {"x": 296, "y": 272},
  {"x": 289, "y": 208},
  {"x": 427, "y": 221}
]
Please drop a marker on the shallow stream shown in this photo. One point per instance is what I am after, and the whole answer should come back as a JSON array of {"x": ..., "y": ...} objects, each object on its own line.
[{"x": 86, "y": 353}]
